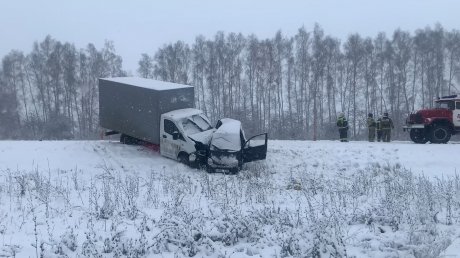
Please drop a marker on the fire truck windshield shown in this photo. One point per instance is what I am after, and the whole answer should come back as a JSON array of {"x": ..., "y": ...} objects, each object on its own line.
[{"x": 445, "y": 104}]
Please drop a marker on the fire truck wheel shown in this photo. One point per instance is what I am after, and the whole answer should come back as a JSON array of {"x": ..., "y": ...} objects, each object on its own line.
[
  {"x": 418, "y": 136},
  {"x": 440, "y": 134}
]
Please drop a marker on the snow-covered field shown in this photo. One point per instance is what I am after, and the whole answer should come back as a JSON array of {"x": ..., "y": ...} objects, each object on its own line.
[{"x": 105, "y": 199}]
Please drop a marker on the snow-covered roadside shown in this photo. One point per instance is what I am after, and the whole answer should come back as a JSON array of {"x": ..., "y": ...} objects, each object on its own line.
[
  {"x": 433, "y": 160},
  {"x": 89, "y": 156},
  {"x": 160, "y": 194}
]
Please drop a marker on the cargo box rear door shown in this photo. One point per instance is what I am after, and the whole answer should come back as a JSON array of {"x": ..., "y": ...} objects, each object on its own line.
[{"x": 255, "y": 148}]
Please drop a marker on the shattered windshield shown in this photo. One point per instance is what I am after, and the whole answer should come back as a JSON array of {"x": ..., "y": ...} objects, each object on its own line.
[{"x": 195, "y": 124}]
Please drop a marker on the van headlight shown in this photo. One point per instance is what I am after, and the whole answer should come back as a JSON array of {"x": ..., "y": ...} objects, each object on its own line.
[{"x": 192, "y": 157}]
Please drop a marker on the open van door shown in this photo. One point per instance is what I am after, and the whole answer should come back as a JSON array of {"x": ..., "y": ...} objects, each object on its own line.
[{"x": 255, "y": 148}]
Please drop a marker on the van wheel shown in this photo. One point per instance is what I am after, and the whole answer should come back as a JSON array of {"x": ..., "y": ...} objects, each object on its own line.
[
  {"x": 440, "y": 134},
  {"x": 234, "y": 170},
  {"x": 201, "y": 165},
  {"x": 126, "y": 139},
  {"x": 183, "y": 158}
]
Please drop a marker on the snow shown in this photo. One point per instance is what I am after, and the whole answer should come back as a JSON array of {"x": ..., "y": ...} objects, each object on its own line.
[
  {"x": 453, "y": 250},
  {"x": 227, "y": 136},
  {"x": 147, "y": 83},
  {"x": 432, "y": 160},
  {"x": 203, "y": 137},
  {"x": 102, "y": 197}
]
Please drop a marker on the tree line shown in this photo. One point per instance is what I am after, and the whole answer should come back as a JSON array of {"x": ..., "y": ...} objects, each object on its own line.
[
  {"x": 290, "y": 86},
  {"x": 293, "y": 87},
  {"x": 51, "y": 93}
]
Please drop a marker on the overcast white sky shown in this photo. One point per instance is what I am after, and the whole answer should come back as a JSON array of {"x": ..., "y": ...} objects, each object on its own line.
[{"x": 141, "y": 26}]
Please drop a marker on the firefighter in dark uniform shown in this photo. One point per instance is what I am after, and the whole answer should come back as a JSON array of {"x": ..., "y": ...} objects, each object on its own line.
[
  {"x": 378, "y": 129},
  {"x": 342, "y": 124},
  {"x": 386, "y": 124},
  {"x": 371, "y": 127}
]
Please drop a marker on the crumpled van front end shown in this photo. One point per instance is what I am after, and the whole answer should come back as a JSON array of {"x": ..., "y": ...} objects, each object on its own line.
[
  {"x": 225, "y": 149},
  {"x": 229, "y": 149}
]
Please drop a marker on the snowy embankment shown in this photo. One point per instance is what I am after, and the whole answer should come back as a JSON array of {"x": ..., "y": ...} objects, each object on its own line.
[{"x": 105, "y": 199}]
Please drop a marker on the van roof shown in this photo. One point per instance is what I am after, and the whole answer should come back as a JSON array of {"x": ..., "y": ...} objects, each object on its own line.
[{"x": 147, "y": 83}]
